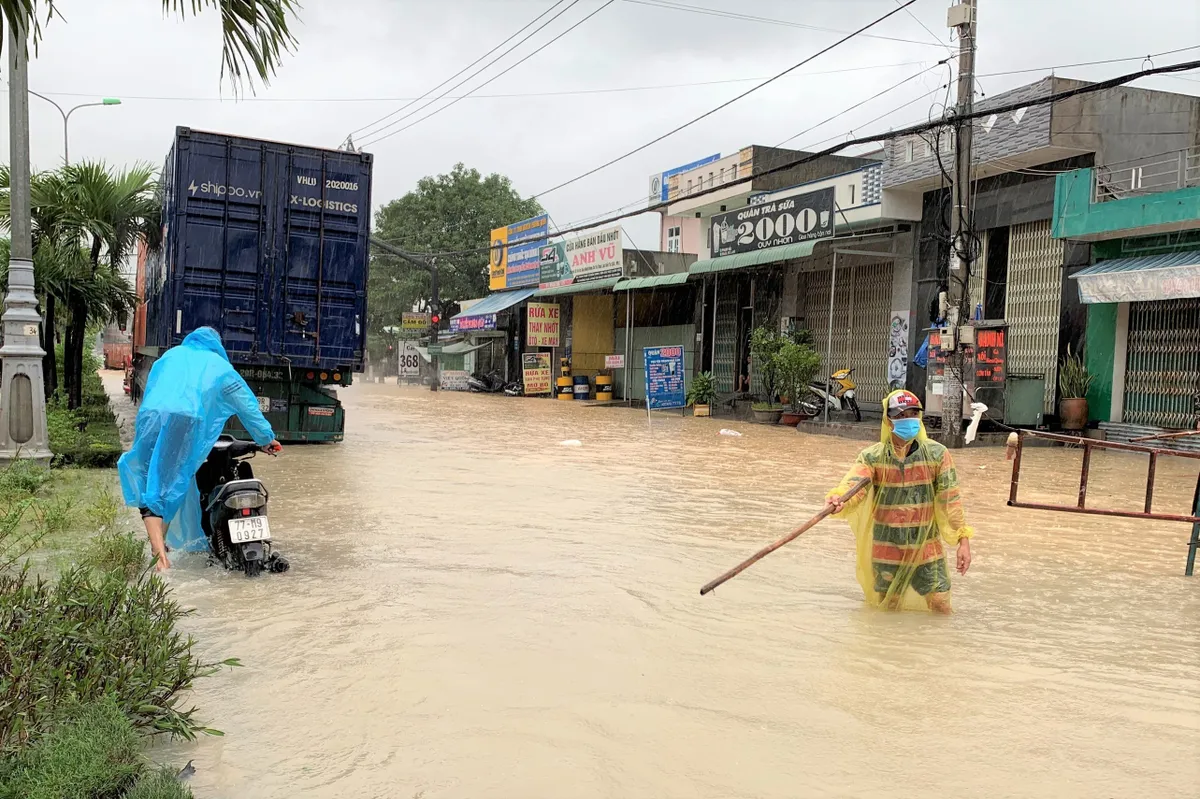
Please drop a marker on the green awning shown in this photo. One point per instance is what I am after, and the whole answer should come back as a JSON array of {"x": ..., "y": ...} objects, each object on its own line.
[
  {"x": 653, "y": 281},
  {"x": 742, "y": 260},
  {"x": 578, "y": 288}
]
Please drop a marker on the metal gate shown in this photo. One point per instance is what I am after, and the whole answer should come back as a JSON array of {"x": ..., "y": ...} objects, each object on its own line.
[
  {"x": 861, "y": 317},
  {"x": 1162, "y": 372},
  {"x": 725, "y": 341},
  {"x": 1034, "y": 303}
]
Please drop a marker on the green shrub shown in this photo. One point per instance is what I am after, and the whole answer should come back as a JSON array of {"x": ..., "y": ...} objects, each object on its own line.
[
  {"x": 105, "y": 509},
  {"x": 93, "y": 753},
  {"x": 22, "y": 478},
  {"x": 159, "y": 784},
  {"x": 88, "y": 635},
  {"x": 119, "y": 553}
]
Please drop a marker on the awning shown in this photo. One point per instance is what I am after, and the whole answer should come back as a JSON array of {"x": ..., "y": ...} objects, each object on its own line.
[
  {"x": 654, "y": 281},
  {"x": 482, "y": 315},
  {"x": 579, "y": 288},
  {"x": 455, "y": 348},
  {"x": 742, "y": 260},
  {"x": 1152, "y": 277}
]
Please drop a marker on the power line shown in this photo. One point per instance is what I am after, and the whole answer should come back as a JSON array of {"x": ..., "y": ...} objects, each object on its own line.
[
  {"x": 375, "y": 138},
  {"x": 892, "y": 134},
  {"x": 473, "y": 96},
  {"x": 727, "y": 103},
  {"x": 461, "y": 71},
  {"x": 476, "y": 73},
  {"x": 713, "y": 12}
]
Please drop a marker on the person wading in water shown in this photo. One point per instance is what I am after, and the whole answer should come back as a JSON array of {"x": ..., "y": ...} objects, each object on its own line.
[{"x": 907, "y": 516}]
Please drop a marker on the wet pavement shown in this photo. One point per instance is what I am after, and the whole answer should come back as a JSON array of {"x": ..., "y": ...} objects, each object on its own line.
[{"x": 476, "y": 610}]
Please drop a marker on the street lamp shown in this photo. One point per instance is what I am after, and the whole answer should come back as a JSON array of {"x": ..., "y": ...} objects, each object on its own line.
[{"x": 66, "y": 115}]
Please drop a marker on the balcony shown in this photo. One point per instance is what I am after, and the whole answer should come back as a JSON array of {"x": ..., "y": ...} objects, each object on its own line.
[{"x": 1140, "y": 197}]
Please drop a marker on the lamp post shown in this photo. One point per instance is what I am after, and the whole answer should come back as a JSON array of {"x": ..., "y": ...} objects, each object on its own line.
[
  {"x": 66, "y": 117},
  {"x": 22, "y": 394}
]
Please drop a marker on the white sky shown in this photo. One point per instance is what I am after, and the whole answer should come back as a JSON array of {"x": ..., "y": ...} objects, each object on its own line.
[{"x": 368, "y": 53}]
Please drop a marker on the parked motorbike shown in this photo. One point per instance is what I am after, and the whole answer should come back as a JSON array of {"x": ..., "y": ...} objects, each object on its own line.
[
  {"x": 838, "y": 395},
  {"x": 493, "y": 384},
  {"x": 234, "y": 509}
]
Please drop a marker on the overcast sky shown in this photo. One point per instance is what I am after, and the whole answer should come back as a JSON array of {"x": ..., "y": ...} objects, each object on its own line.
[{"x": 361, "y": 59}]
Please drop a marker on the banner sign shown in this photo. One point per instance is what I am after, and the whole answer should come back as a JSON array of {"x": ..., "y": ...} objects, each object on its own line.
[
  {"x": 660, "y": 184},
  {"x": 596, "y": 256},
  {"x": 517, "y": 265},
  {"x": 454, "y": 380},
  {"x": 774, "y": 223},
  {"x": 614, "y": 361},
  {"x": 414, "y": 321},
  {"x": 664, "y": 377},
  {"x": 1144, "y": 285},
  {"x": 535, "y": 371},
  {"x": 541, "y": 324},
  {"x": 410, "y": 361},
  {"x": 466, "y": 324}
]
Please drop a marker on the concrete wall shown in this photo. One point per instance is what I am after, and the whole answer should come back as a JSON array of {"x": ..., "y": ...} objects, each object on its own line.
[
  {"x": 826, "y": 166},
  {"x": 1124, "y": 123},
  {"x": 691, "y": 231}
]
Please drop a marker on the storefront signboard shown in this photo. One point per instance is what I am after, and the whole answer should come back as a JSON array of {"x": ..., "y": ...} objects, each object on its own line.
[
  {"x": 535, "y": 371},
  {"x": 664, "y": 377},
  {"x": 596, "y": 256},
  {"x": 514, "y": 265},
  {"x": 410, "y": 361},
  {"x": 466, "y": 324},
  {"x": 542, "y": 324},
  {"x": 453, "y": 379},
  {"x": 776, "y": 222},
  {"x": 660, "y": 184}
]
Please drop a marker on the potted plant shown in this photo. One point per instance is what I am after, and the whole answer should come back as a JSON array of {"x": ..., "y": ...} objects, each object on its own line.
[
  {"x": 1074, "y": 380},
  {"x": 797, "y": 364},
  {"x": 765, "y": 345},
  {"x": 702, "y": 393}
]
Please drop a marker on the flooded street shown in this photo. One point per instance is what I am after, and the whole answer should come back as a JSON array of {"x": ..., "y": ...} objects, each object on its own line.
[{"x": 476, "y": 610}]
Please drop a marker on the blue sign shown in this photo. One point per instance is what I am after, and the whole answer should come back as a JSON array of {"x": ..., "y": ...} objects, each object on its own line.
[
  {"x": 660, "y": 184},
  {"x": 664, "y": 377},
  {"x": 524, "y": 259}
]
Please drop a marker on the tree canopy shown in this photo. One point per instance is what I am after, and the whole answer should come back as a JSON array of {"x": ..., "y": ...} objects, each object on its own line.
[{"x": 446, "y": 213}]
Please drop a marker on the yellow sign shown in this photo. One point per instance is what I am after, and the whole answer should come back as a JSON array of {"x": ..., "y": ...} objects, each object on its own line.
[
  {"x": 541, "y": 324},
  {"x": 535, "y": 371},
  {"x": 414, "y": 321},
  {"x": 498, "y": 267}
]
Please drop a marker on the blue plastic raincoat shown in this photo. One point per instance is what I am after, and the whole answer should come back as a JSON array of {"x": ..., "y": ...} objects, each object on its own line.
[{"x": 191, "y": 393}]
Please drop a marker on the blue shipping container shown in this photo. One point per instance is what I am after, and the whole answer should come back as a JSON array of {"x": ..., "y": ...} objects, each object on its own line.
[{"x": 268, "y": 244}]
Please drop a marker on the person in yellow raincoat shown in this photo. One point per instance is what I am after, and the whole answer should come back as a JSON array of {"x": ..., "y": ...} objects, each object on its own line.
[{"x": 910, "y": 512}]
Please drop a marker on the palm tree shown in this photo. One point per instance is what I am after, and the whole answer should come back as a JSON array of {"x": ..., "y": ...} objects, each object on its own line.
[{"x": 255, "y": 33}]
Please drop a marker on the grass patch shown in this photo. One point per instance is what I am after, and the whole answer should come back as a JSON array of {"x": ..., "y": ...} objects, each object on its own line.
[
  {"x": 159, "y": 784},
  {"x": 94, "y": 754},
  {"x": 119, "y": 553},
  {"x": 88, "y": 436}
]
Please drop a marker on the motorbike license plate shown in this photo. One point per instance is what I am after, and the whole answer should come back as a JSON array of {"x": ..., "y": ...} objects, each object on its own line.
[{"x": 250, "y": 528}]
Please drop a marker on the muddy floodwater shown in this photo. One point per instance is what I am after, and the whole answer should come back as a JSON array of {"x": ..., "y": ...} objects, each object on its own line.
[{"x": 476, "y": 610}]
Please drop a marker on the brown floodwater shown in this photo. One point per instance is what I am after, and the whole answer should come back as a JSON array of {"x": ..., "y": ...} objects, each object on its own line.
[{"x": 476, "y": 610}]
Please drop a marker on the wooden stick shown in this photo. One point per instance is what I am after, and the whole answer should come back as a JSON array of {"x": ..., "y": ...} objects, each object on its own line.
[
  {"x": 787, "y": 539},
  {"x": 1180, "y": 434}
]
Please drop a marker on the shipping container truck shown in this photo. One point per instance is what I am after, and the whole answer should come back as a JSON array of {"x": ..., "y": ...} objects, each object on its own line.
[{"x": 268, "y": 244}]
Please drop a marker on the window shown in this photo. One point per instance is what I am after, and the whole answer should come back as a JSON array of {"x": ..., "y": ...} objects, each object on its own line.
[
  {"x": 674, "y": 238},
  {"x": 689, "y": 191},
  {"x": 735, "y": 166},
  {"x": 908, "y": 151},
  {"x": 722, "y": 175},
  {"x": 852, "y": 188},
  {"x": 710, "y": 180}
]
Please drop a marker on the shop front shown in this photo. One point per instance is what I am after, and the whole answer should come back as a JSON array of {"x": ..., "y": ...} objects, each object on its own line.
[
  {"x": 652, "y": 311},
  {"x": 493, "y": 326}
]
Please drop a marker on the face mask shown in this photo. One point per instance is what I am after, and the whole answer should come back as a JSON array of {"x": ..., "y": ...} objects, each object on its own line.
[{"x": 906, "y": 429}]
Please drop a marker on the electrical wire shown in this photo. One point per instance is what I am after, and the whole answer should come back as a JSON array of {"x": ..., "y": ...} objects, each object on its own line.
[
  {"x": 375, "y": 133},
  {"x": 375, "y": 138},
  {"x": 911, "y": 130},
  {"x": 725, "y": 104},
  {"x": 713, "y": 12},
  {"x": 461, "y": 71}
]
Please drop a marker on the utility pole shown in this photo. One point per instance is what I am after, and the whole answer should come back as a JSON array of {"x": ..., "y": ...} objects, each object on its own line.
[
  {"x": 435, "y": 303},
  {"x": 962, "y": 243},
  {"x": 22, "y": 387}
]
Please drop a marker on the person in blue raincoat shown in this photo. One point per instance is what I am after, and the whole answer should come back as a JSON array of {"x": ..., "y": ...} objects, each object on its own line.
[{"x": 191, "y": 393}]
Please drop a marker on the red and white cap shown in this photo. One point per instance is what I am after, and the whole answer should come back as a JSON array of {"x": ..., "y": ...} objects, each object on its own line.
[{"x": 902, "y": 401}]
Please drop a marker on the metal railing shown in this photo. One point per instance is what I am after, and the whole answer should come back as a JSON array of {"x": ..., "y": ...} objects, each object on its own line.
[{"x": 1179, "y": 169}]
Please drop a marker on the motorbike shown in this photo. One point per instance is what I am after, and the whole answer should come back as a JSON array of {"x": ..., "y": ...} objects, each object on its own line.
[
  {"x": 838, "y": 395},
  {"x": 493, "y": 384},
  {"x": 234, "y": 509}
]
